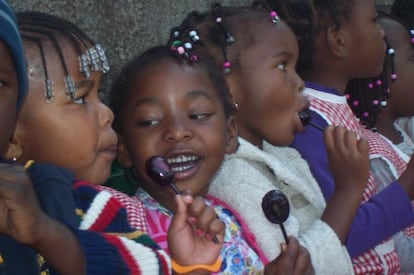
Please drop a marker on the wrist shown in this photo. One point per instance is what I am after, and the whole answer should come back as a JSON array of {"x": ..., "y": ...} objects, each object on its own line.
[{"x": 196, "y": 269}]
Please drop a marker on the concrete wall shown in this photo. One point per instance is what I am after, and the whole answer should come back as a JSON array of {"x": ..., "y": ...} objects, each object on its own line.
[{"x": 125, "y": 27}]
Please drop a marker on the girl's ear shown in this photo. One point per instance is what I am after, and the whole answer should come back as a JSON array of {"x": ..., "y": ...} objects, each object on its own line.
[
  {"x": 232, "y": 135},
  {"x": 122, "y": 152},
  {"x": 15, "y": 150},
  {"x": 336, "y": 41}
]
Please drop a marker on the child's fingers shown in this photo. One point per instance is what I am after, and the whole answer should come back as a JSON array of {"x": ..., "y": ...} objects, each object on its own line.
[
  {"x": 303, "y": 263},
  {"x": 216, "y": 229},
  {"x": 205, "y": 218}
]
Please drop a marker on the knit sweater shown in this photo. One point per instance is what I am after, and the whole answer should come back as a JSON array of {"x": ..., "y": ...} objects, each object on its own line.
[
  {"x": 99, "y": 221},
  {"x": 248, "y": 174}
]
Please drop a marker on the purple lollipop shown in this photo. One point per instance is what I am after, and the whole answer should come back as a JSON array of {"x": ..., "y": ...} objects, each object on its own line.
[
  {"x": 160, "y": 172},
  {"x": 276, "y": 208},
  {"x": 306, "y": 119}
]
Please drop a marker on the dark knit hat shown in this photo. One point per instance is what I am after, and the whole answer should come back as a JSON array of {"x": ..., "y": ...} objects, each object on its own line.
[{"x": 10, "y": 35}]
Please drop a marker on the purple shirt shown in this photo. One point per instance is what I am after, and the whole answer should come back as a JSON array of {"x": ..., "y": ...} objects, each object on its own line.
[{"x": 384, "y": 214}]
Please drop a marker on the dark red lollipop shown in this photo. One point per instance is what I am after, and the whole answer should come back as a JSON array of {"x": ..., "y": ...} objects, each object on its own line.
[
  {"x": 276, "y": 208},
  {"x": 306, "y": 119},
  {"x": 160, "y": 172}
]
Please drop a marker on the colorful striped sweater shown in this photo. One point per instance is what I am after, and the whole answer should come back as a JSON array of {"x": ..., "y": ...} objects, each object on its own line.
[{"x": 99, "y": 221}]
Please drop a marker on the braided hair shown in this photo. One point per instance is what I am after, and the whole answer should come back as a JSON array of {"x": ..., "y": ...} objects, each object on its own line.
[
  {"x": 307, "y": 19},
  {"x": 121, "y": 87},
  {"x": 367, "y": 97},
  {"x": 221, "y": 33},
  {"x": 40, "y": 28}
]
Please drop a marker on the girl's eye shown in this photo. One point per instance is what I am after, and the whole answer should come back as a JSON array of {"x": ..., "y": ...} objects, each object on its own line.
[
  {"x": 80, "y": 100},
  {"x": 282, "y": 66},
  {"x": 200, "y": 116},
  {"x": 148, "y": 123}
]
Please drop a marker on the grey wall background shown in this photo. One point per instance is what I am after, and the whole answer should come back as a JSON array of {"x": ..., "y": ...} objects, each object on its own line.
[{"x": 125, "y": 27}]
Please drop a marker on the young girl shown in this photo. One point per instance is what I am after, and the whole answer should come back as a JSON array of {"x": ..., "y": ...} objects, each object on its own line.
[
  {"x": 52, "y": 46},
  {"x": 330, "y": 34},
  {"x": 46, "y": 235},
  {"x": 380, "y": 101},
  {"x": 403, "y": 9},
  {"x": 190, "y": 123},
  {"x": 207, "y": 33},
  {"x": 258, "y": 54}
]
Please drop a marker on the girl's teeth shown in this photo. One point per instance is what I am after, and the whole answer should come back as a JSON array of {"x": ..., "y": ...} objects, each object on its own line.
[{"x": 181, "y": 159}]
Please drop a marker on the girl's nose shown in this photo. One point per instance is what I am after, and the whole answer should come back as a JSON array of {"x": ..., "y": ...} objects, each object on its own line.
[
  {"x": 106, "y": 116},
  {"x": 177, "y": 131}
]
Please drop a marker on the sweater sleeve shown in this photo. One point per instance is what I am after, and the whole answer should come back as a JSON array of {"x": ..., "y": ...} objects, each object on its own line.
[
  {"x": 99, "y": 221},
  {"x": 389, "y": 209}
]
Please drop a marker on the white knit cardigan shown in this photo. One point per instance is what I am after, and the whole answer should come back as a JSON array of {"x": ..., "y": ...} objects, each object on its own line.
[{"x": 247, "y": 175}]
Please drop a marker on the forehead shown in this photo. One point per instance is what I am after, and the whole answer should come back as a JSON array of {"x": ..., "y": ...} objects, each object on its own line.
[{"x": 168, "y": 77}]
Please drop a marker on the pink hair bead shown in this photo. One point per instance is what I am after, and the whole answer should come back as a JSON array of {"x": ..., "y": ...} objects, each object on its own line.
[
  {"x": 365, "y": 114},
  {"x": 180, "y": 50},
  {"x": 379, "y": 82},
  {"x": 355, "y": 103},
  {"x": 394, "y": 76},
  {"x": 412, "y": 40},
  {"x": 227, "y": 64},
  {"x": 219, "y": 19},
  {"x": 370, "y": 85},
  {"x": 375, "y": 102},
  {"x": 193, "y": 58},
  {"x": 273, "y": 13}
]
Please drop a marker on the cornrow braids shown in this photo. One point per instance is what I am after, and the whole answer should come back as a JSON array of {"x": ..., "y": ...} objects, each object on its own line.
[
  {"x": 121, "y": 87},
  {"x": 38, "y": 28},
  {"x": 367, "y": 97},
  {"x": 307, "y": 19},
  {"x": 224, "y": 32}
]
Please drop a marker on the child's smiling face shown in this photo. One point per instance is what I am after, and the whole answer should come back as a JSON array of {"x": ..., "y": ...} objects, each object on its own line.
[
  {"x": 8, "y": 96},
  {"x": 174, "y": 111}
]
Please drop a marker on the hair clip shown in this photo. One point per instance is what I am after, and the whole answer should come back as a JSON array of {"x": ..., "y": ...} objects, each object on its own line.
[
  {"x": 275, "y": 18},
  {"x": 84, "y": 65},
  {"x": 70, "y": 87},
  {"x": 104, "y": 66},
  {"x": 49, "y": 94}
]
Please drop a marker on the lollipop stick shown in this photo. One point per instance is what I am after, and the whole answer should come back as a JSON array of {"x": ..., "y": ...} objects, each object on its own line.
[
  {"x": 284, "y": 233},
  {"x": 175, "y": 188},
  {"x": 178, "y": 192},
  {"x": 316, "y": 126}
]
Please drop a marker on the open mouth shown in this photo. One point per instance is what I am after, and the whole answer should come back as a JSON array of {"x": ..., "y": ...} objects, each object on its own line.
[{"x": 182, "y": 163}]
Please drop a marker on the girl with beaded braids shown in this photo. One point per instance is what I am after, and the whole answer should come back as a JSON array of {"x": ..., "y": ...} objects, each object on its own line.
[
  {"x": 257, "y": 53},
  {"x": 175, "y": 104},
  {"x": 106, "y": 227},
  {"x": 342, "y": 40},
  {"x": 380, "y": 101}
]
